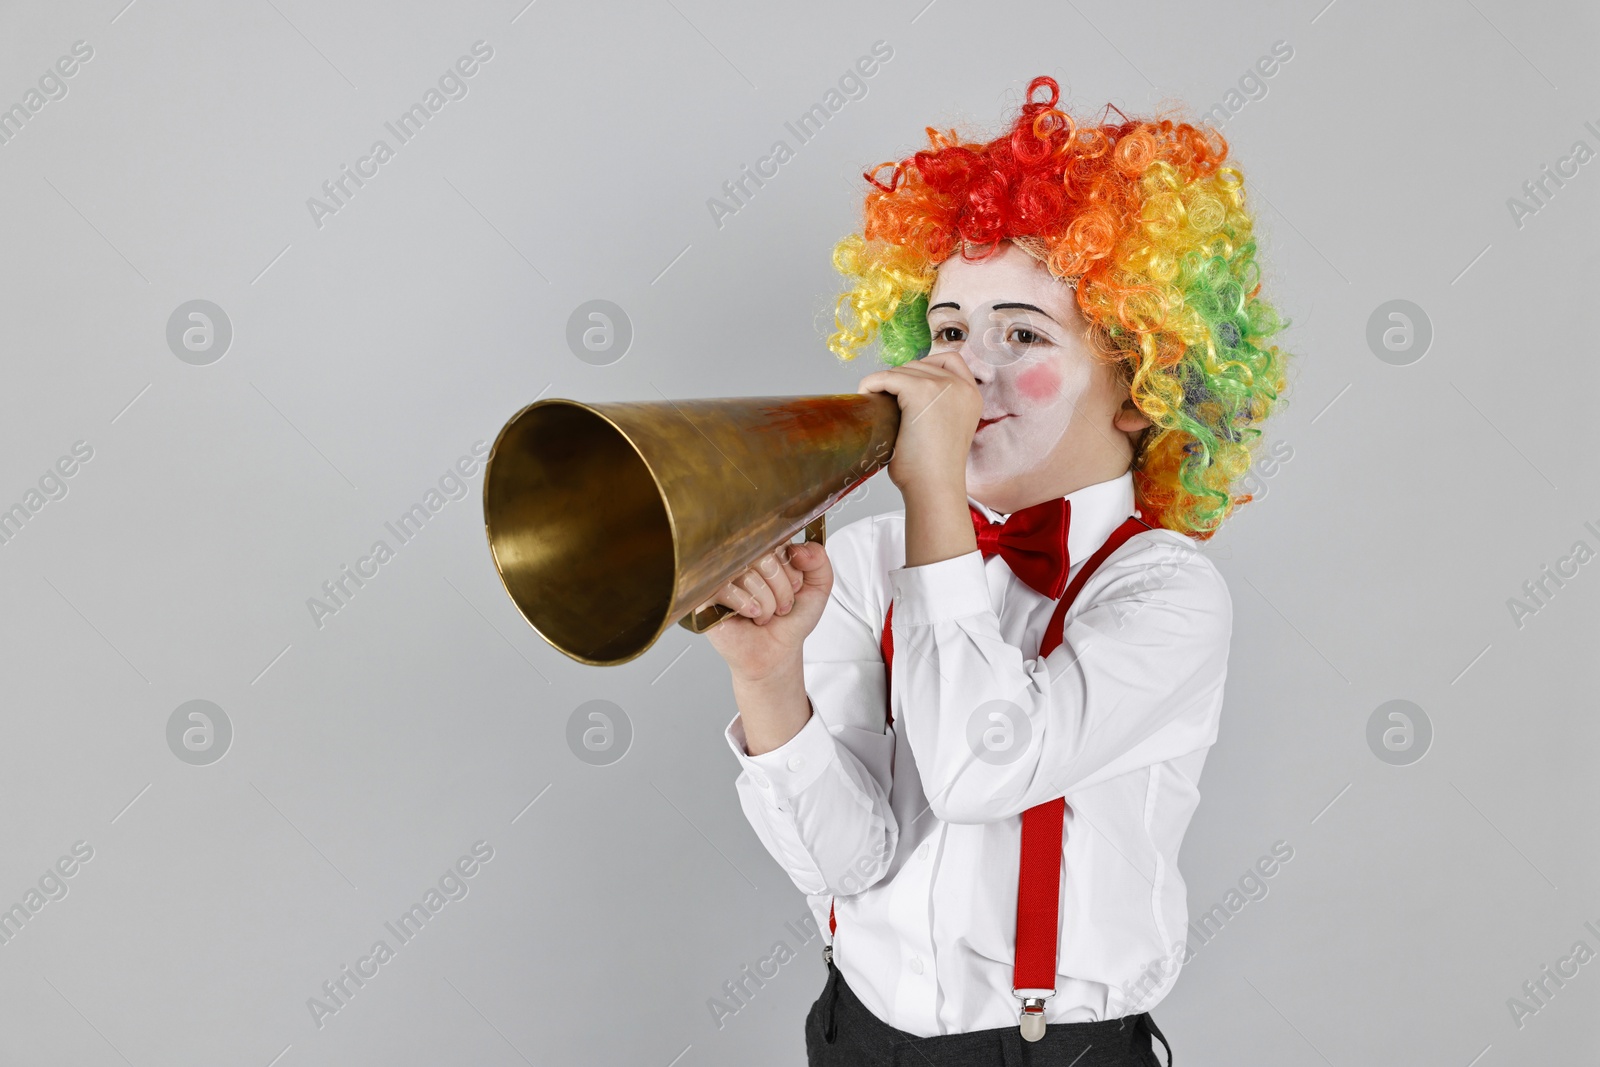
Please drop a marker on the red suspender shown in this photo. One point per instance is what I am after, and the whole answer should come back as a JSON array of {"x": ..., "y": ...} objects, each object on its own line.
[
  {"x": 1039, "y": 873},
  {"x": 886, "y": 646}
]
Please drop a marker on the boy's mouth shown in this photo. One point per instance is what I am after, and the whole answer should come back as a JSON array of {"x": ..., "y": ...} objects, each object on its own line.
[{"x": 990, "y": 422}]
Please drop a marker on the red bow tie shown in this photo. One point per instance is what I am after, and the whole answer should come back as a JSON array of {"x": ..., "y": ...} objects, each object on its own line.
[{"x": 1033, "y": 542}]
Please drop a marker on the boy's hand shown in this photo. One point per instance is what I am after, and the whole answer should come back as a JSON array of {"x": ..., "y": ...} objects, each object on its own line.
[
  {"x": 780, "y": 599},
  {"x": 940, "y": 405}
]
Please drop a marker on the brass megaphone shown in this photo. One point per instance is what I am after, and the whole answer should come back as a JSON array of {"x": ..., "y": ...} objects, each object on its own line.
[{"x": 608, "y": 522}]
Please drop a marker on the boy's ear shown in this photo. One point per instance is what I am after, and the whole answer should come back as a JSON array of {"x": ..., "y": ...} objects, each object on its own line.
[{"x": 1129, "y": 418}]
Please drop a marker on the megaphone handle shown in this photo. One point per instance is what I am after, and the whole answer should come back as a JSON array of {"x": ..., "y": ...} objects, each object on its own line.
[{"x": 701, "y": 620}]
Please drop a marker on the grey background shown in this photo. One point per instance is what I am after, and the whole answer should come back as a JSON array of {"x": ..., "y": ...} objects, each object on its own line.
[{"x": 370, "y": 353}]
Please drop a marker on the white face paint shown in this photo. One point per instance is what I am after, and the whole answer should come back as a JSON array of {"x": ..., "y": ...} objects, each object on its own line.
[{"x": 1019, "y": 330}]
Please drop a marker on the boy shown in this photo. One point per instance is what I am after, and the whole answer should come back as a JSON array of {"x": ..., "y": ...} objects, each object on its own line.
[{"x": 971, "y": 731}]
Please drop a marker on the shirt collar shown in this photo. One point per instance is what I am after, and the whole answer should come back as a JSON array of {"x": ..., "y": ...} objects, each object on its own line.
[{"x": 1097, "y": 510}]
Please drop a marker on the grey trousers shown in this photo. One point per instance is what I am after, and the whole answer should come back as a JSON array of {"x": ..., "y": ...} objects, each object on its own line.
[{"x": 841, "y": 1032}]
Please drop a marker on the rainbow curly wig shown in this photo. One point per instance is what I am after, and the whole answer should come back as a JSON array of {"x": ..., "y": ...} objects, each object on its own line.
[{"x": 1151, "y": 227}]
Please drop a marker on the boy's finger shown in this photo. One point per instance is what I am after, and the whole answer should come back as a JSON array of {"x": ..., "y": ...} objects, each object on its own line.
[
  {"x": 951, "y": 362},
  {"x": 777, "y": 579},
  {"x": 790, "y": 571},
  {"x": 734, "y": 595},
  {"x": 811, "y": 559},
  {"x": 766, "y": 602}
]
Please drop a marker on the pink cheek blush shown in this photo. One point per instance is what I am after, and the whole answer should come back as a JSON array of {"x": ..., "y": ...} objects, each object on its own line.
[{"x": 1040, "y": 384}]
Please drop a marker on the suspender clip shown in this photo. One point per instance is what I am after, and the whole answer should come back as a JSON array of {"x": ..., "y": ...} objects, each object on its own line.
[
  {"x": 1031, "y": 1018},
  {"x": 827, "y": 954}
]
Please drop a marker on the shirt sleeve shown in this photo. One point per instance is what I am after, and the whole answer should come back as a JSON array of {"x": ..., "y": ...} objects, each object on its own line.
[
  {"x": 820, "y": 802},
  {"x": 1136, "y": 679}
]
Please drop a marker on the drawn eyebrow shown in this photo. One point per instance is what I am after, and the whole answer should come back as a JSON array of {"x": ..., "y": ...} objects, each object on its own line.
[
  {"x": 1025, "y": 307},
  {"x": 997, "y": 307}
]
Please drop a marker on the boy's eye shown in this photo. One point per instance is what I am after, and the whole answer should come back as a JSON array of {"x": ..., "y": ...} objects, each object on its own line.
[
  {"x": 1025, "y": 336},
  {"x": 948, "y": 334}
]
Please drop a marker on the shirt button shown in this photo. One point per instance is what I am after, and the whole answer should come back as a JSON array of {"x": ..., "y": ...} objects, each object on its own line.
[
  {"x": 915, "y": 965},
  {"x": 796, "y": 762},
  {"x": 922, "y": 851},
  {"x": 760, "y": 779}
]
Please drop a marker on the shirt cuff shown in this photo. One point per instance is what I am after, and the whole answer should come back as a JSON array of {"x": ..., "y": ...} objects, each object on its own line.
[
  {"x": 940, "y": 592},
  {"x": 791, "y": 767}
]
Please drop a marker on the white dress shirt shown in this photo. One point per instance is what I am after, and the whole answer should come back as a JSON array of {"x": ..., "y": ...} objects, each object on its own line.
[{"x": 915, "y": 839}]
